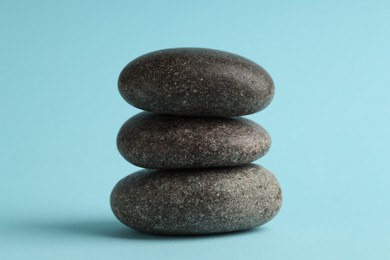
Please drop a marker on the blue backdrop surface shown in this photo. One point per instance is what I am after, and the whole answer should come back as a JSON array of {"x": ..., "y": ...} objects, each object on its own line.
[{"x": 329, "y": 121}]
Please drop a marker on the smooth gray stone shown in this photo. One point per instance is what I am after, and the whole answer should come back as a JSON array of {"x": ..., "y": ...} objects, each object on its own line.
[
  {"x": 196, "y": 81},
  {"x": 197, "y": 201},
  {"x": 159, "y": 141}
]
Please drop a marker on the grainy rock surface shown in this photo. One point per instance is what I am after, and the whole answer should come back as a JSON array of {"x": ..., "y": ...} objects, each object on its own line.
[
  {"x": 197, "y": 201},
  {"x": 196, "y": 81},
  {"x": 158, "y": 141}
]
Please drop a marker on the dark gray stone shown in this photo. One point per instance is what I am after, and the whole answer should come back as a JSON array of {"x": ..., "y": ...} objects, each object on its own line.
[
  {"x": 195, "y": 81},
  {"x": 197, "y": 201},
  {"x": 159, "y": 141}
]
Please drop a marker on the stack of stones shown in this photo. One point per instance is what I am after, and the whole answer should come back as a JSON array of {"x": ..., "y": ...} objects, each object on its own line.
[{"x": 197, "y": 151}]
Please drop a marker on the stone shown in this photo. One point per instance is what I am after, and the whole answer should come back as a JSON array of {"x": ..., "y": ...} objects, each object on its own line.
[
  {"x": 157, "y": 141},
  {"x": 197, "y": 201},
  {"x": 196, "y": 81}
]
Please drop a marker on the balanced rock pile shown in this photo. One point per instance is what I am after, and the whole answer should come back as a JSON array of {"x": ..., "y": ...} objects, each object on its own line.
[{"x": 198, "y": 153}]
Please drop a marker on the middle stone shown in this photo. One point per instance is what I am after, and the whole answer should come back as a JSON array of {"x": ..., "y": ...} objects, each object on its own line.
[{"x": 158, "y": 141}]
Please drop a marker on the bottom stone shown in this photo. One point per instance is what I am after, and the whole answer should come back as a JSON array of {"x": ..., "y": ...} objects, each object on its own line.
[{"x": 197, "y": 201}]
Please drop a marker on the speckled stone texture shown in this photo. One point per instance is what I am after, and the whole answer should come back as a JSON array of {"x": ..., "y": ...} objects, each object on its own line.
[
  {"x": 158, "y": 141},
  {"x": 197, "y": 201},
  {"x": 196, "y": 81}
]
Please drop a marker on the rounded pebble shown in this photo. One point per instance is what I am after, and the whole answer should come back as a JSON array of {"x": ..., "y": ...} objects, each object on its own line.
[
  {"x": 158, "y": 141},
  {"x": 197, "y": 201},
  {"x": 196, "y": 81}
]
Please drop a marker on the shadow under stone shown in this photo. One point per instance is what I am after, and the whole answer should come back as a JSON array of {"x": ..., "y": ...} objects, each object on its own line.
[{"x": 112, "y": 229}]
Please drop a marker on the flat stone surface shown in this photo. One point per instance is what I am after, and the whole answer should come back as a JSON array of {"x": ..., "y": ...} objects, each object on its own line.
[
  {"x": 158, "y": 141},
  {"x": 197, "y": 201},
  {"x": 196, "y": 81}
]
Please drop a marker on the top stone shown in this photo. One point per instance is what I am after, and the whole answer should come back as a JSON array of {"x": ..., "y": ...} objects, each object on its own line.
[{"x": 197, "y": 82}]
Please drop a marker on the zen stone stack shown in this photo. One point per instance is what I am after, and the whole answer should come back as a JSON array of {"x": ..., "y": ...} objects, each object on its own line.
[{"x": 197, "y": 150}]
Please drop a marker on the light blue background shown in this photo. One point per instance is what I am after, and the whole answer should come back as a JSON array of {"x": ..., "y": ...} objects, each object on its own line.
[{"x": 60, "y": 113}]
